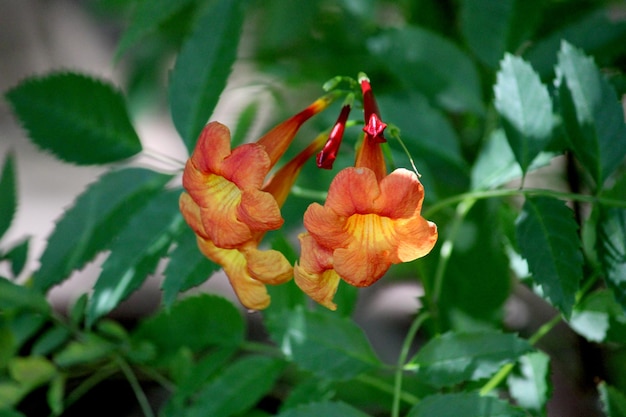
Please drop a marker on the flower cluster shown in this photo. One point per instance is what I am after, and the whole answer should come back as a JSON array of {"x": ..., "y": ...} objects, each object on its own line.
[{"x": 370, "y": 220}]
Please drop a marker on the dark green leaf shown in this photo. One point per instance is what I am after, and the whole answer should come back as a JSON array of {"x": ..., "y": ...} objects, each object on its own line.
[
  {"x": 196, "y": 323},
  {"x": 15, "y": 296},
  {"x": 310, "y": 391},
  {"x": 146, "y": 18},
  {"x": 592, "y": 114},
  {"x": 464, "y": 405},
  {"x": 531, "y": 388},
  {"x": 547, "y": 238},
  {"x": 525, "y": 107},
  {"x": 187, "y": 267},
  {"x": 56, "y": 394},
  {"x": 611, "y": 234},
  {"x": 456, "y": 357},
  {"x": 18, "y": 255},
  {"x": 96, "y": 218},
  {"x": 80, "y": 119},
  {"x": 327, "y": 345},
  {"x": 599, "y": 318},
  {"x": 51, "y": 340},
  {"x": 203, "y": 66},
  {"x": 253, "y": 375},
  {"x": 613, "y": 401},
  {"x": 583, "y": 33},
  {"x": 135, "y": 253},
  {"x": 432, "y": 65},
  {"x": 8, "y": 194},
  {"x": 326, "y": 409}
]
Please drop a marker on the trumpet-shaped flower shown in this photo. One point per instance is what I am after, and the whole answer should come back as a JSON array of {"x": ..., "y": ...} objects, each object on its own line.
[
  {"x": 370, "y": 220},
  {"x": 230, "y": 206}
]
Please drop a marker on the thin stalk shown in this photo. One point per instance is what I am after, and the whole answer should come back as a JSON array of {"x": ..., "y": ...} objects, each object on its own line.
[
  {"x": 501, "y": 375},
  {"x": 88, "y": 384},
  {"x": 388, "y": 388},
  {"x": 136, "y": 387},
  {"x": 404, "y": 353}
]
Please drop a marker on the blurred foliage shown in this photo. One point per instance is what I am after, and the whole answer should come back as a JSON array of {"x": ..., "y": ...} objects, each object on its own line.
[{"x": 483, "y": 93}]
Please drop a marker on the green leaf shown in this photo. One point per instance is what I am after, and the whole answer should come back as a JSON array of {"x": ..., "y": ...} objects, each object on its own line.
[
  {"x": 592, "y": 115},
  {"x": 187, "y": 267},
  {"x": 463, "y": 405},
  {"x": 195, "y": 323},
  {"x": 146, "y": 18},
  {"x": 611, "y": 234},
  {"x": 97, "y": 217},
  {"x": 326, "y": 409},
  {"x": 524, "y": 104},
  {"x": 17, "y": 255},
  {"x": 456, "y": 357},
  {"x": 90, "y": 349},
  {"x": 203, "y": 66},
  {"x": 15, "y": 296},
  {"x": 325, "y": 344},
  {"x": 56, "y": 394},
  {"x": 32, "y": 371},
  {"x": 135, "y": 253},
  {"x": 613, "y": 401},
  {"x": 8, "y": 194},
  {"x": 599, "y": 318},
  {"x": 80, "y": 119},
  {"x": 547, "y": 238},
  {"x": 51, "y": 340},
  {"x": 584, "y": 33},
  {"x": 253, "y": 375},
  {"x": 309, "y": 391},
  {"x": 496, "y": 164},
  {"x": 427, "y": 62},
  {"x": 531, "y": 388}
]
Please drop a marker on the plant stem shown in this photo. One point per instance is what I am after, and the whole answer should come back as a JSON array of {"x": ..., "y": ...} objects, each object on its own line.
[
  {"x": 404, "y": 353},
  {"x": 87, "y": 384},
  {"x": 506, "y": 369},
  {"x": 388, "y": 388},
  {"x": 136, "y": 387}
]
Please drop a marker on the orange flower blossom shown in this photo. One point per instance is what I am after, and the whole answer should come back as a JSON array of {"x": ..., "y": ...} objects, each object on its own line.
[
  {"x": 369, "y": 221},
  {"x": 230, "y": 205}
]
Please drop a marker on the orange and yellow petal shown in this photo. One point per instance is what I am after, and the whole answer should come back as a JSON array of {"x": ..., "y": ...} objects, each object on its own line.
[
  {"x": 401, "y": 194},
  {"x": 267, "y": 266},
  {"x": 353, "y": 190},
  {"x": 192, "y": 215},
  {"x": 314, "y": 274},
  {"x": 212, "y": 147},
  {"x": 251, "y": 292}
]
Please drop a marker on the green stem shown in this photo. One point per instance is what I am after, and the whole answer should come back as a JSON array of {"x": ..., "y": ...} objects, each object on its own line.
[
  {"x": 136, "y": 387},
  {"x": 404, "y": 353},
  {"x": 501, "y": 375},
  {"x": 388, "y": 388},
  {"x": 508, "y": 192},
  {"x": 84, "y": 387}
]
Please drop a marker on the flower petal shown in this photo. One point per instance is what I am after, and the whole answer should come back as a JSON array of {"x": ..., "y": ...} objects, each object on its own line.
[
  {"x": 212, "y": 147},
  {"x": 325, "y": 225},
  {"x": 402, "y": 194},
  {"x": 353, "y": 190},
  {"x": 259, "y": 211},
  {"x": 251, "y": 293},
  {"x": 416, "y": 237},
  {"x": 314, "y": 274},
  {"x": 247, "y": 166},
  {"x": 268, "y": 266},
  {"x": 191, "y": 213}
]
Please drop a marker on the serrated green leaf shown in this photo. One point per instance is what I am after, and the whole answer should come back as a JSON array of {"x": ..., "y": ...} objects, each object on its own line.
[
  {"x": 524, "y": 104},
  {"x": 8, "y": 194},
  {"x": 97, "y": 217},
  {"x": 547, "y": 238},
  {"x": 326, "y": 409},
  {"x": 253, "y": 375},
  {"x": 611, "y": 235},
  {"x": 135, "y": 253},
  {"x": 427, "y": 62},
  {"x": 79, "y": 119},
  {"x": 195, "y": 323},
  {"x": 599, "y": 318},
  {"x": 187, "y": 267},
  {"x": 592, "y": 115},
  {"x": 32, "y": 371},
  {"x": 203, "y": 66},
  {"x": 531, "y": 387},
  {"x": 464, "y": 405},
  {"x": 18, "y": 256},
  {"x": 327, "y": 345},
  {"x": 15, "y": 296},
  {"x": 146, "y": 18},
  {"x": 613, "y": 401},
  {"x": 456, "y": 357}
]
